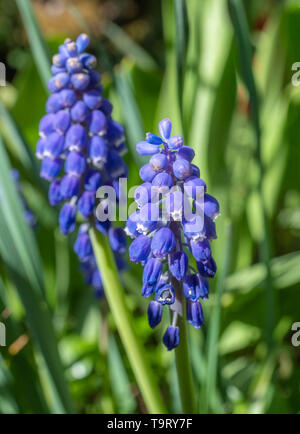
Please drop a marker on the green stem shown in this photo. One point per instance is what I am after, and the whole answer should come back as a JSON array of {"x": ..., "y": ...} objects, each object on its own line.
[
  {"x": 116, "y": 299},
  {"x": 182, "y": 357},
  {"x": 183, "y": 366}
]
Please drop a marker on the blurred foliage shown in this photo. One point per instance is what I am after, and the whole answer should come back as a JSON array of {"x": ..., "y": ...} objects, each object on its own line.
[{"x": 181, "y": 60}]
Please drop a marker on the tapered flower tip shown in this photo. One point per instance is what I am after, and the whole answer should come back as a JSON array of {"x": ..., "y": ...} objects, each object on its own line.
[
  {"x": 165, "y": 294},
  {"x": 191, "y": 287},
  {"x": 146, "y": 148},
  {"x": 67, "y": 218},
  {"x": 194, "y": 314},
  {"x": 140, "y": 248},
  {"x": 208, "y": 269},
  {"x": 82, "y": 42},
  {"x": 163, "y": 242},
  {"x": 179, "y": 264},
  {"x": 153, "y": 139},
  {"x": 152, "y": 271},
  {"x": 117, "y": 239},
  {"x": 154, "y": 313},
  {"x": 83, "y": 246},
  {"x": 186, "y": 152},
  {"x": 171, "y": 337},
  {"x": 165, "y": 128}
]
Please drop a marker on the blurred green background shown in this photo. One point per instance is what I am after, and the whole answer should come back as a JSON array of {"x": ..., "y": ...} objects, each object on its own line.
[{"x": 222, "y": 71}]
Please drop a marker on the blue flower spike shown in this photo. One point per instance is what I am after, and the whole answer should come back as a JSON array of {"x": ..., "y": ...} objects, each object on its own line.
[
  {"x": 172, "y": 229},
  {"x": 80, "y": 147}
]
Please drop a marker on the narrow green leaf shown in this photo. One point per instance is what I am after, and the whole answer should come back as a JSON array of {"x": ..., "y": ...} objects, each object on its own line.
[
  {"x": 38, "y": 46},
  {"x": 132, "y": 117},
  {"x": 19, "y": 251},
  {"x": 242, "y": 34},
  {"x": 117, "y": 302},
  {"x": 126, "y": 45}
]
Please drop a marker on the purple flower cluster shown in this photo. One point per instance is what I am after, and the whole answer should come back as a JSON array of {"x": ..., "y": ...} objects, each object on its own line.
[
  {"x": 81, "y": 147},
  {"x": 175, "y": 216}
]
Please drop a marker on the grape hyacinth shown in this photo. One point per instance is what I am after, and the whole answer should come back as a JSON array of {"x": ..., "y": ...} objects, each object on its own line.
[
  {"x": 81, "y": 149},
  {"x": 175, "y": 216}
]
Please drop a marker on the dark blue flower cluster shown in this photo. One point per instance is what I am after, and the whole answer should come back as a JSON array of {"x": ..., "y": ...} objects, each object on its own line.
[
  {"x": 81, "y": 148},
  {"x": 175, "y": 215}
]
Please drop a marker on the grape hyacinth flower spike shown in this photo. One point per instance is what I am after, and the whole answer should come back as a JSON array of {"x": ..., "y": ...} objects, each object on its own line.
[
  {"x": 81, "y": 149},
  {"x": 172, "y": 226}
]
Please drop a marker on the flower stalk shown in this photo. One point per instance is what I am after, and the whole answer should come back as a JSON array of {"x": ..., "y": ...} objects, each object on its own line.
[
  {"x": 182, "y": 358},
  {"x": 117, "y": 303}
]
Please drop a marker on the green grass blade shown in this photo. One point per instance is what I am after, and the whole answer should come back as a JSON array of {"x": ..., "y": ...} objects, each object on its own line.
[
  {"x": 21, "y": 149},
  {"x": 242, "y": 35},
  {"x": 215, "y": 36},
  {"x": 131, "y": 113},
  {"x": 118, "y": 306},
  {"x": 127, "y": 46},
  {"x": 22, "y": 261},
  {"x": 169, "y": 99},
  {"x": 38, "y": 46},
  {"x": 119, "y": 380}
]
